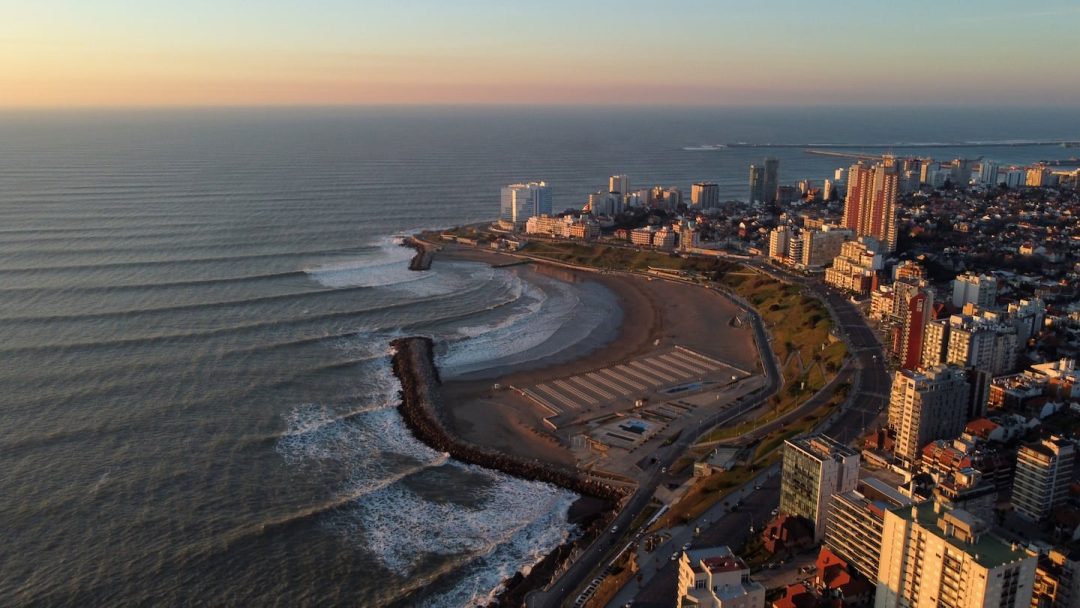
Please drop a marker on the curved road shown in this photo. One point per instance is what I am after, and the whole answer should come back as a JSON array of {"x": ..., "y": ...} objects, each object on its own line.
[{"x": 868, "y": 401}]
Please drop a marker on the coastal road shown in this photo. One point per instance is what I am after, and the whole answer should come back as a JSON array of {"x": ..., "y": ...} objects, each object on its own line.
[
  {"x": 758, "y": 498},
  {"x": 867, "y": 403},
  {"x": 607, "y": 543}
]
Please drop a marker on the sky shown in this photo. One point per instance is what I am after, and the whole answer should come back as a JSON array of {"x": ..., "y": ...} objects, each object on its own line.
[{"x": 92, "y": 53}]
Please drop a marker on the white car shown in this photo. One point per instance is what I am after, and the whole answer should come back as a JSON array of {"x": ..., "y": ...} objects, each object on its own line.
[{"x": 675, "y": 556}]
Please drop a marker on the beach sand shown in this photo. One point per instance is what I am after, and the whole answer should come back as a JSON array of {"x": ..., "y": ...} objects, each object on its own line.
[{"x": 668, "y": 312}]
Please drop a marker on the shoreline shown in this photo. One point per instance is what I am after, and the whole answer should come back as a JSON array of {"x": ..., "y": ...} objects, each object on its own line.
[
  {"x": 455, "y": 417},
  {"x": 414, "y": 365}
]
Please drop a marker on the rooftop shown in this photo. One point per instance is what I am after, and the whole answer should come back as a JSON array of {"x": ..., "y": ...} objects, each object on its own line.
[{"x": 987, "y": 550}]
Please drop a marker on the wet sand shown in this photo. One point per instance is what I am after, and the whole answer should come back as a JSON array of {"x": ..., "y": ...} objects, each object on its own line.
[{"x": 667, "y": 312}]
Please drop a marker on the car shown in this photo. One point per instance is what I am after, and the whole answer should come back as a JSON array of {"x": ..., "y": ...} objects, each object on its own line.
[
  {"x": 775, "y": 512},
  {"x": 663, "y": 469},
  {"x": 675, "y": 556},
  {"x": 757, "y": 487},
  {"x": 614, "y": 529},
  {"x": 686, "y": 547}
]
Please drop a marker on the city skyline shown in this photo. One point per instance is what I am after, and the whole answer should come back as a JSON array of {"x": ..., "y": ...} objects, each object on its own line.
[{"x": 63, "y": 54}]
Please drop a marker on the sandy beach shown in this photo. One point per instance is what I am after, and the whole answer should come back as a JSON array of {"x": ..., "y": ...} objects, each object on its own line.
[{"x": 655, "y": 314}]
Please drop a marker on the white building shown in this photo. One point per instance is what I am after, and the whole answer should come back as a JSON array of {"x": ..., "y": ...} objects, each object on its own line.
[
  {"x": 522, "y": 201},
  {"x": 717, "y": 578},
  {"x": 970, "y": 288}
]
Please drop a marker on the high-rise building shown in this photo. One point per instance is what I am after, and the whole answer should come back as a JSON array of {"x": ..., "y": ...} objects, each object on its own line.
[
  {"x": 919, "y": 313},
  {"x": 855, "y": 522},
  {"x": 988, "y": 173},
  {"x": 820, "y": 247},
  {"x": 971, "y": 288},
  {"x": 778, "y": 242},
  {"x": 1037, "y": 176},
  {"x": 960, "y": 173},
  {"x": 1014, "y": 178},
  {"x": 772, "y": 176},
  {"x": 926, "y": 405},
  {"x": 705, "y": 195},
  {"x": 933, "y": 557},
  {"x": 1028, "y": 316},
  {"x": 982, "y": 343},
  {"x": 620, "y": 184},
  {"x": 1043, "y": 474},
  {"x": 909, "y": 269},
  {"x": 522, "y": 201},
  {"x": 605, "y": 203},
  {"x": 816, "y": 468},
  {"x": 828, "y": 191},
  {"x": 757, "y": 184},
  {"x": 870, "y": 206},
  {"x": 1057, "y": 580}
]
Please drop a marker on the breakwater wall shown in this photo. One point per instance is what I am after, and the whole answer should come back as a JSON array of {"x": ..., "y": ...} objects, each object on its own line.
[
  {"x": 425, "y": 253},
  {"x": 421, "y": 408}
]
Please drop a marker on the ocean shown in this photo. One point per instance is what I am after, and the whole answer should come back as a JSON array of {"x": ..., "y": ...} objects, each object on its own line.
[{"x": 196, "y": 404}]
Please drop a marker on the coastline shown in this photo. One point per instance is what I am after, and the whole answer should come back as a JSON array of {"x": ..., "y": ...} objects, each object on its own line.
[
  {"x": 414, "y": 365},
  {"x": 454, "y": 417}
]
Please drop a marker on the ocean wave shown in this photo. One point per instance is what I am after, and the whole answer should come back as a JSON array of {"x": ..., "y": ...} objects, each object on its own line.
[
  {"x": 402, "y": 528},
  {"x": 544, "y": 310}
]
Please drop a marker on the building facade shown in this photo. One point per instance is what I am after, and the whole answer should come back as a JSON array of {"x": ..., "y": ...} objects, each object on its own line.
[
  {"x": 927, "y": 405},
  {"x": 705, "y": 195},
  {"x": 816, "y": 468},
  {"x": 855, "y": 522},
  {"x": 932, "y": 557},
  {"x": 1043, "y": 474},
  {"x": 521, "y": 201}
]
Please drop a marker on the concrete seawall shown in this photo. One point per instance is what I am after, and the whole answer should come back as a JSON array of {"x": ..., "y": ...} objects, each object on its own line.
[
  {"x": 421, "y": 408},
  {"x": 425, "y": 253},
  {"x": 414, "y": 366}
]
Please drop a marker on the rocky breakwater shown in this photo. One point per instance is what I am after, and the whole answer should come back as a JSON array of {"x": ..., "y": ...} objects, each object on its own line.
[
  {"x": 422, "y": 409},
  {"x": 425, "y": 253}
]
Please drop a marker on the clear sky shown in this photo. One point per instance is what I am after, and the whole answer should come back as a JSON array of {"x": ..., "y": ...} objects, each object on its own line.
[{"x": 695, "y": 52}]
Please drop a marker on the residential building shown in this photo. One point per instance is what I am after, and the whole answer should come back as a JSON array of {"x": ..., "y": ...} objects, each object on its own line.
[
  {"x": 919, "y": 313},
  {"x": 620, "y": 184},
  {"x": 1062, "y": 376},
  {"x": 778, "y": 242},
  {"x": 870, "y": 206},
  {"x": 821, "y": 246},
  {"x": 933, "y": 557},
  {"x": 1044, "y": 471},
  {"x": 1057, "y": 579},
  {"x": 971, "y": 288},
  {"x": 1028, "y": 316},
  {"x": 909, "y": 269},
  {"x": 522, "y": 201},
  {"x": 716, "y": 578},
  {"x": 854, "y": 269},
  {"x": 968, "y": 341},
  {"x": 757, "y": 184},
  {"x": 855, "y": 521},
  {"x": 927, "y": 405},
  {"x": 815, "y": 468},
  {"x": 705, "y": 195},
  {"x": 772, "y": 177},
  {"x": 988, "y": 173}
]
